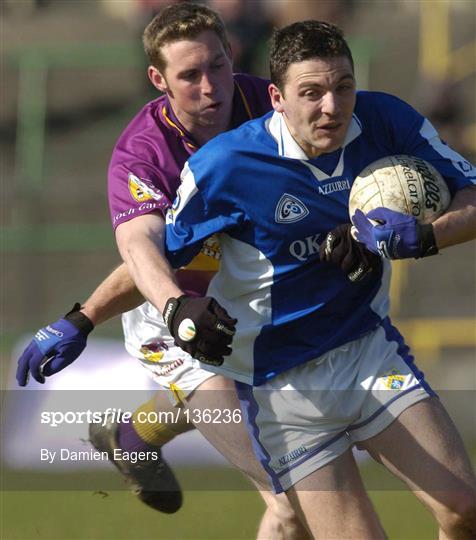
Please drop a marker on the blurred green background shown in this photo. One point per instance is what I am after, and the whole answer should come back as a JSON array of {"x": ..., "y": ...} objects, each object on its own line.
[{"x": 73, "y": 75}]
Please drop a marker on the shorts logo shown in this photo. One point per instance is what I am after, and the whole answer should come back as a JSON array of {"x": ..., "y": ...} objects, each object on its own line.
[
  {"x": 292, "y": 455},
  {"x": 290, "y": 209},
  {"x": 153, "y": 352},
  {"x": 393, "y": 380}
]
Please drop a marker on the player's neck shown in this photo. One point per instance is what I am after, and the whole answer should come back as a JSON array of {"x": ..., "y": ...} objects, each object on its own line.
[
  {"x": 202, "y": 131},
  {"x": 202, "y": 134}
]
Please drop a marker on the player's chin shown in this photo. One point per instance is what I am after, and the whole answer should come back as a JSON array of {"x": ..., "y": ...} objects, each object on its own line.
[
  {"x": 330, "y": 142},
  {"x": 213, "y": 111}
]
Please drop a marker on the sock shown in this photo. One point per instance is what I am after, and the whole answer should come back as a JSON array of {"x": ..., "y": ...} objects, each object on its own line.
[{"x": 143, "y": 436}]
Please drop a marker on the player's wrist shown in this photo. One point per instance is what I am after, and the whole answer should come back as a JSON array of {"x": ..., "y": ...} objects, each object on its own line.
[
  {"x": 170, "y": 310},
  {"x": 427, "y": 245},
  {"x": 79, "y": 319}
]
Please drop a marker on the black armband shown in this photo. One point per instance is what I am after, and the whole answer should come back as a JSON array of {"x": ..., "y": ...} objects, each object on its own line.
[
  {"x": 79, "y": 320},
  {"x": 428, "y": 245}
]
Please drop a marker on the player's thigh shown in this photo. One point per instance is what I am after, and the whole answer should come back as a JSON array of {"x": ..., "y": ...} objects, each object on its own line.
[
  {"x": 215, "y": 409},
  {"x": 423, "y": 448},
  {"x": 333, "y": 502}
]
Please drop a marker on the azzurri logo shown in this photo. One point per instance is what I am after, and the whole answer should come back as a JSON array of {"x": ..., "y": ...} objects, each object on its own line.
[
  {"x": 288, "y": 458},
  {"x": 290, "y": 209}
]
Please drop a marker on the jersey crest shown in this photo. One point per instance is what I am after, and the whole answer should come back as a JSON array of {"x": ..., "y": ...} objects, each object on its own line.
[{"x": 290, "y": 209}]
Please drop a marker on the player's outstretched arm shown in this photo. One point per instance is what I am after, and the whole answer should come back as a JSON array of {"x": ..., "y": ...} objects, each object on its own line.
[
  {"x": 458, "y": 223},
  {"x": 400, "y": 236},
  {"x": 200, "y": 326},
  {"x": 115, "y": 295},
  {"x": 58, "y": 344},
  {"x": 140, "y": 242}
]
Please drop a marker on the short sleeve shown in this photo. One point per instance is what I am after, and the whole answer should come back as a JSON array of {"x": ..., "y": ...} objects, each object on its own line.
[
  {"x": 133, "y": 191},
  {"x": 198, "y": 212}
]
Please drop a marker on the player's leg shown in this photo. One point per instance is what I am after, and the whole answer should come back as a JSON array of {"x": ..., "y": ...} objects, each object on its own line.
[
  {"x": 298, "y": 421},
  {"x": 408, "y": 430},
  {"x": 280, "y": 521},
  {"x": 171, "y": 368},
  {"x": 424, "y": 449},
  {"x": 231, "y": 439},
  {"x": 333, "y": 502},
  {"x": 152, "y": 479}
]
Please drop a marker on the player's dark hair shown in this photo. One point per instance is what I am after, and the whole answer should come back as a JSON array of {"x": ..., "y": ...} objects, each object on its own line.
[
  {"x": 302, "y": 41},
  {"x": 176, "y": 22}
]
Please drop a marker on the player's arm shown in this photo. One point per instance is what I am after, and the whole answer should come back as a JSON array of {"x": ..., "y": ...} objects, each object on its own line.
[
  {"x": 400, "y": 236},
  {"x": 58, "y": 344},
  {"x": 115, "y": 295},
  {"x": 200, "y": 326},
  {"x": 458, "y": 223},
  {"x": 141, "y": 245}
]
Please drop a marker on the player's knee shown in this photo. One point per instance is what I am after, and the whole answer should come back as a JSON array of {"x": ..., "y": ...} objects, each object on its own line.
[
  {"x": 290, "y": 523},
  {"x": 281, "y": 506},
  {"x": 460, "y": 515}
]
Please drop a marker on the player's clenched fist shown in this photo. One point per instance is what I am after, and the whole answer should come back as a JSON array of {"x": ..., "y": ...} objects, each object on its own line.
[
  {"x": 353, "y": 258},
  {"x": 54, "y": 347},
  {"x": 201, "y": 327},
  {"x": 394, "y": 235}
]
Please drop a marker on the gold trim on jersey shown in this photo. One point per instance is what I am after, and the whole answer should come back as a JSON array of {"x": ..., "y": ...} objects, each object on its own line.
[
  {"x": 174, "y": 125},
  {"x": 245, "y": 101}
]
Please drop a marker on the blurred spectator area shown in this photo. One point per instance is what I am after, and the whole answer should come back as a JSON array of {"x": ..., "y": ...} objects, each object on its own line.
[{"x": 73, "y": 75}]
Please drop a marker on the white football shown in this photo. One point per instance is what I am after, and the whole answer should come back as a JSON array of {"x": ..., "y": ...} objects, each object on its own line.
[
  {"x": 402, "y": 183},
  {"x": 187, "y": 330}
]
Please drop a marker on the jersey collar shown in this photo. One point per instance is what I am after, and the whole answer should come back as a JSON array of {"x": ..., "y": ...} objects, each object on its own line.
[
  {"x": 241, "y": 109},
  {"x": 170, "y": 119},
  {"x": 287, "y": 145}
]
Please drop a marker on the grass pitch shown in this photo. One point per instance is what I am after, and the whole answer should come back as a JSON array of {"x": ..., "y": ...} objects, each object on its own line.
[{"x": 227, "y": 510}]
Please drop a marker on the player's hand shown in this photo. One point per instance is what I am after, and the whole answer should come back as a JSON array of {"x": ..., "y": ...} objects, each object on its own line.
[
  {"x": 396, "y": 235},
  {"x": 201, "y": 327},
  {"x": 54, "y": 347},
  {"x": 353, "y": 258}
]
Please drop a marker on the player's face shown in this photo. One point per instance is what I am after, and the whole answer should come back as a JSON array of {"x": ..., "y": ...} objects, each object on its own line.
[
  {"x": 198, "y": 80},
  {"x": 317, "y": 102}
]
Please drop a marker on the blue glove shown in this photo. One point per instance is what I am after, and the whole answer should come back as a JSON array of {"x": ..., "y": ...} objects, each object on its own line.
[
  {"x": 396, "y": 236},
  {"x": 54, "y": 347}
]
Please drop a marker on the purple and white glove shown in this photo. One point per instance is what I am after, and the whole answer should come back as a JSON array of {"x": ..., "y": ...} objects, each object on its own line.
[
  {"x": 54, "y": 347},
  {"x": 396, "y": 236}
]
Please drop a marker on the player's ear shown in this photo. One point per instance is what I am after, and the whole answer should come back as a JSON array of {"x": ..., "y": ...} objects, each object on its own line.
[
  {"x": 277, "y": 97},
  {"x": 157, "y": 79}
]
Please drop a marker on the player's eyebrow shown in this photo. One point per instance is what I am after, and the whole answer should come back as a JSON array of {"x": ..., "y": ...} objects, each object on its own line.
[
  {"x": 349, "y": 76},
  {"x": 219, "y": 56},
  {"x": 313, "y": 84}
]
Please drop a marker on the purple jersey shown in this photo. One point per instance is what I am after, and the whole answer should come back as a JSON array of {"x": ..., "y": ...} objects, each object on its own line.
[{"x": 144, "y": 172}]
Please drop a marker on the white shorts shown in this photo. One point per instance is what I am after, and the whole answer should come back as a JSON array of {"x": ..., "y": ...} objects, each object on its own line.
[
  {"x": 147, "y": 338},
  {"x": 306, "y": 417}
]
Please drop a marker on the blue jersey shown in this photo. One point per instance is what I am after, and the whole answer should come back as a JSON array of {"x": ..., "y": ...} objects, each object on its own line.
[{"x": 271, "y": 207}]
